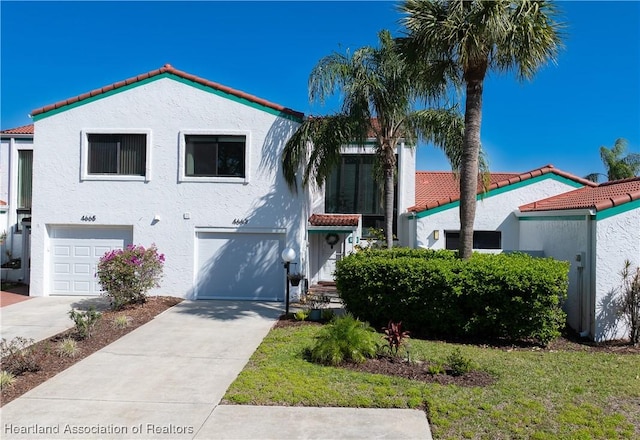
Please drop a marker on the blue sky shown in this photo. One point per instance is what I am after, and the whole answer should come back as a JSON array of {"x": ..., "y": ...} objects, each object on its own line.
[{"x": 55, "y": 50}]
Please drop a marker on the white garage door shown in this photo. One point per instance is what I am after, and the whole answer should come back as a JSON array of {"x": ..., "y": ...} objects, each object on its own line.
[
  {"x": 75, "y": 252},
  {"x": 239, "y": 265}
]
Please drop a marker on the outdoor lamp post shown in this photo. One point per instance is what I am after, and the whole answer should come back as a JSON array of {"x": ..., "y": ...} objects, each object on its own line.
[{"x": 288, "y": 256}]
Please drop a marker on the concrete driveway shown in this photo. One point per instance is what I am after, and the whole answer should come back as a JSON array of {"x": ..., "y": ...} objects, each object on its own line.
[{"x": 165, "y": 380}]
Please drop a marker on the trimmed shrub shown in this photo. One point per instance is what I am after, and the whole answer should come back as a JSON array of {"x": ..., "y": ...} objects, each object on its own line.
[
  {"x": 511, "y": 296},
  {"x": 345, "y": 339}
]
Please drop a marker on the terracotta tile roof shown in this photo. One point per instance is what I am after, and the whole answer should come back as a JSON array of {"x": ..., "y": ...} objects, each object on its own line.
[
  {"x": 25, "y": 129},
  {"x": 334, "y": 219},
  {"x": 167, "y": 68},
  {"x": 437, "y": 188},
  {"x": 601, "y": 197}
]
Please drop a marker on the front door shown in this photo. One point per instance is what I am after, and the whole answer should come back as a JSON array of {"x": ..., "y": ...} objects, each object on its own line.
[{"x": 331, "y": 249}]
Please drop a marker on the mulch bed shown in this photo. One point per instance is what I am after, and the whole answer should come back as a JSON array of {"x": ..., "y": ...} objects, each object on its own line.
[
  {"x": 419, "y": 370},
  {"x": 51, "y": 363}
]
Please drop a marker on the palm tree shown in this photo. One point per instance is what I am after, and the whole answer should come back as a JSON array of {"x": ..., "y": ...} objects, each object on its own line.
[
  {"x": 465, "y": 40},
  {"x": 617, "y": 166},
  {"x": 377, "y": 101}
]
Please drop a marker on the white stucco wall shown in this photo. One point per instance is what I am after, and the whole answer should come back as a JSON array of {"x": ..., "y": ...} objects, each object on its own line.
[
  {"x": 495, "y": 212},
  {"x": 406, "y": 191},
  {"x": 617, "y": 240},
  {"x": 164, "y": 108},
  {"x": 563, "y": 239}
]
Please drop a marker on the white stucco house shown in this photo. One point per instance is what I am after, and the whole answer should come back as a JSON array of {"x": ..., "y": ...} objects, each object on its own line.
[
  {"x": 434, "y": 221},
  {"x": 545, "y": 212},
  {"x": 193, "y": 166},
  {"x": 597, "y": 229},
  {"x": 16, "y": 162}
]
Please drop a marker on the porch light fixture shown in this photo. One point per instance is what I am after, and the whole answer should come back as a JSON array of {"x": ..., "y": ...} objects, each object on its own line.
[
  {"x": 288, "y": 255},
  {"x": 436, "y": 235}
]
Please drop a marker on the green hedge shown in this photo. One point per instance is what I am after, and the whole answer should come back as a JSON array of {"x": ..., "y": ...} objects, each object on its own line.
[{"x": 434, "y": 293}]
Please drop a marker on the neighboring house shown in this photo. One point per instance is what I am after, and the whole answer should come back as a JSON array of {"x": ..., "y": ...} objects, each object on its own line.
[
  {"x": 172, "y": 159},
  {"x": 434, "y": 221},
  {"x": 16, "y": 161},
  {"x": 597, "y": 229}
]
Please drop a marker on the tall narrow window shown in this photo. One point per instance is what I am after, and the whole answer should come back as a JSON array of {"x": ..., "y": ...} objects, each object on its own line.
[
  {"x": 25, "y": 179},
  {"x": 352, "y": 189},
  {"x": 117, "y": 154}
]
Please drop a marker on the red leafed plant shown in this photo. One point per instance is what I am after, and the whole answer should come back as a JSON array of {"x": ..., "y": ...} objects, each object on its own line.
[{"x": 395, "y": 336}]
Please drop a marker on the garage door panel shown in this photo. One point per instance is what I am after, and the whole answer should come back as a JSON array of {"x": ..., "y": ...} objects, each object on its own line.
[
  {"x": 246, "y": 266},
  {"x": 81, "y": 251},
  {"x": 61, "y": 251},
  {"x": 75, "y": 256},
  {"x": 62, "y": 268}
]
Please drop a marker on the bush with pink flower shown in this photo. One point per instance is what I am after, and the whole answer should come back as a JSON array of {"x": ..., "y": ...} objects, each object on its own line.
[{"x": 126, "y": 275}]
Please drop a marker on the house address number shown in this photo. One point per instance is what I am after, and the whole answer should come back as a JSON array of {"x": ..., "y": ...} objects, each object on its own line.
[{"x": 88, "y": 218}]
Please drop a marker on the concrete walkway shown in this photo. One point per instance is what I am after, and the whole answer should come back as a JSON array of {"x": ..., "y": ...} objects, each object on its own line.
[{"x": 165, "y": 380}]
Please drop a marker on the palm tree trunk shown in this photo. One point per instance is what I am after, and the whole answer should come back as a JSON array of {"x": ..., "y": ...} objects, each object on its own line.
[
  {"x": 388, "y": 203},
  {"x": 469, "y": 165}
]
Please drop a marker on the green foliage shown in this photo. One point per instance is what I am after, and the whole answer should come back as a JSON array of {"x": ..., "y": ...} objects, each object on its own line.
[
  {"x": 345, "y": 339},
  {"x": 511, "y": 296},
  {"x": 85, "y": 321},
  {"x": 126, "y": 275},
  {"x": 327, "y": 314},
  {"x": 458, "y": 363},
  {"x": 6, "y": 379},
  {"x": 121, "y": 321},
  {"x": 301, "y": 315},
  {"x": 68, "y": 347},
  {"x": 436, "y": 368},
  {"x": 17, "y": 355}
]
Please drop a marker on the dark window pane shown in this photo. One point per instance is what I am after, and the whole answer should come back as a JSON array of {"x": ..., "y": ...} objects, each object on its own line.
[
  {"x": 352, "y": 188},
  {"x": 231, "y": 159},
  {"x": 452, "y": 240},
  {"x": 209, "y": 156},
  {"x": 481, "y": 240}
]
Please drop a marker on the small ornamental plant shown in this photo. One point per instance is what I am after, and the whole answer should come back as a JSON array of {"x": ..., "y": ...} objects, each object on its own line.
[{"x": 126, "y": 275}]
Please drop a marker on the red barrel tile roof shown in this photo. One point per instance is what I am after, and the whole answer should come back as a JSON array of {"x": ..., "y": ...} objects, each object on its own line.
[
  {"x": 334, "y": 220},
  {"x": 437, "y": 188},
  {"x": 25, "y": 129},
  {"x": 603, "y": 196},
  {"x": 167, "y": 68}
]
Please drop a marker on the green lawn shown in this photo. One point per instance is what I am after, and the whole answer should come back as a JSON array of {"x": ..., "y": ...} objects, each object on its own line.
[{"x": 538, "y": 394}]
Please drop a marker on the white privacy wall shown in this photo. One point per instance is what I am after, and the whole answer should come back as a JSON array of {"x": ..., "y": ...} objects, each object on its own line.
[
  {"x": 618, "y": 239},
  {"x": 495, "y": 212},
  {"x": 563, "y": 240},
  {"x": 163, "y": 108}
]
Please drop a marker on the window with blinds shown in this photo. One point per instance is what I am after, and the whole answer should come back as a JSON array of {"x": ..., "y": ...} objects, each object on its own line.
[{"x": 117, "y": 154}]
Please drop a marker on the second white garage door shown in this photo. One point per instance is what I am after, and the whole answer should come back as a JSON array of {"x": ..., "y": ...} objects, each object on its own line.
[
  {"x": 75, "y": 253},
  {"x": 239, "y": 265}
]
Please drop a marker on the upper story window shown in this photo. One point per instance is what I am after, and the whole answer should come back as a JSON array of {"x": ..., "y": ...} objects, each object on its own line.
[
  {"x": 481, "y": 240},
  {"x": 352, "y": 188},
  {"x": 123, "y": 154},
  {"x": 116, "y": 155},
  {"x": 214, "y": 157}
]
